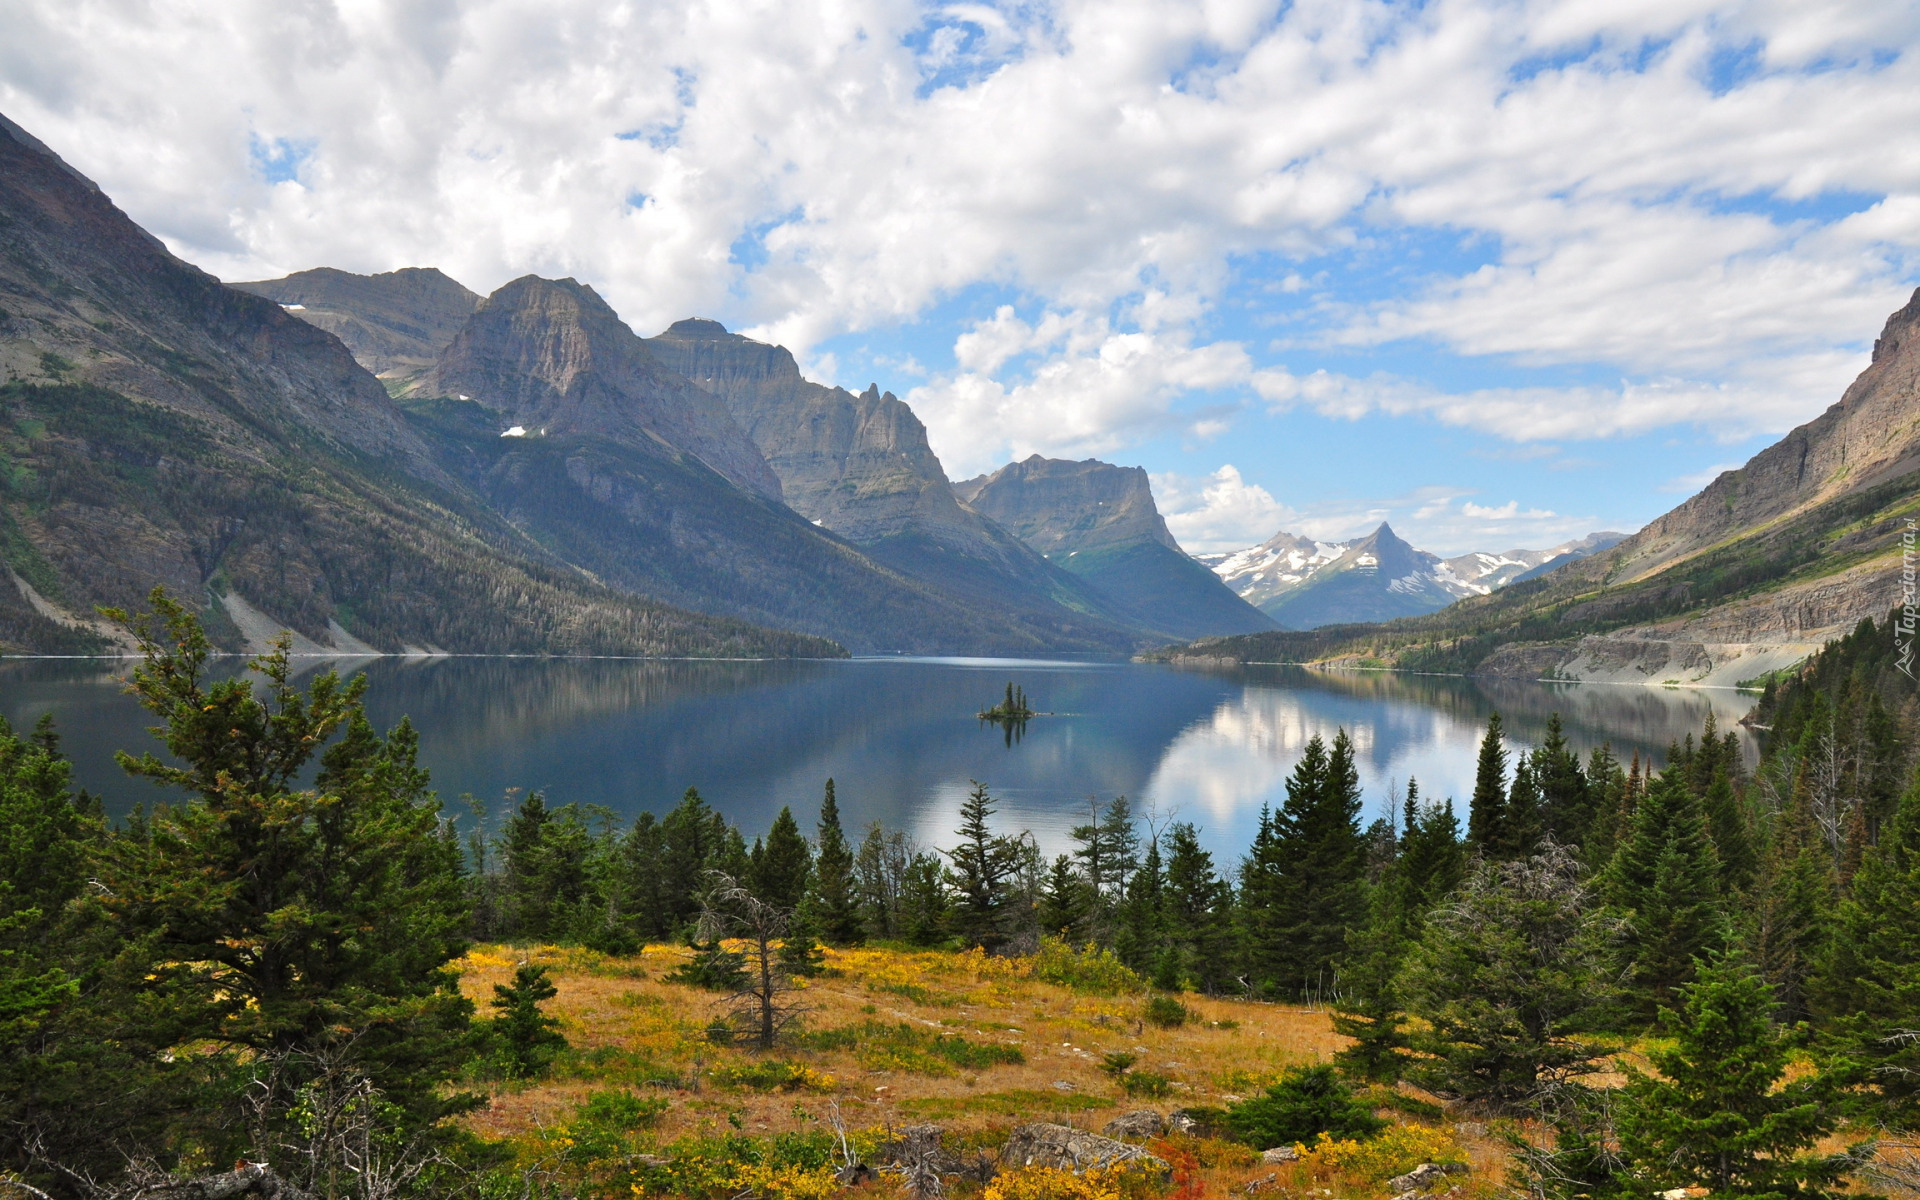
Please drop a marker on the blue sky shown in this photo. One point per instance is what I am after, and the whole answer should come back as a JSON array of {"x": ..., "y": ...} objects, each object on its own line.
[{"x": 1502, "y": 272}]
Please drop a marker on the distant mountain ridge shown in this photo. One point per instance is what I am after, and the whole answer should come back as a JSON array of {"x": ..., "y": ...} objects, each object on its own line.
[
  {"x": 1304, "y": 584},
  {"x": 1750, "y": 576},
  {"x": 395, "y": 323},
  {"x": 1099, "y": 521}
]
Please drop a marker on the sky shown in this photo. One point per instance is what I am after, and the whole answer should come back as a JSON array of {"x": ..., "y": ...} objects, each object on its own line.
[{"x": 1500, "y": 272}]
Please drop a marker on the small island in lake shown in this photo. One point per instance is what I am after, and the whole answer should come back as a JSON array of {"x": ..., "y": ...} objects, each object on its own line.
[{"x": 1013, "y": 708}]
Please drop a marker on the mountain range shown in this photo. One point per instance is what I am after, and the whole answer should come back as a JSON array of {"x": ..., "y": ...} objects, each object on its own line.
[
  {"x": 1746, "y": 578},
  {"x": 392, "y": 463},
  {"x": 1303, "y": 584}
]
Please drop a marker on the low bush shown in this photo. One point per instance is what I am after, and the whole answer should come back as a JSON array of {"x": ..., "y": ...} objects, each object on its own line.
[
  {"x": 1395, "y": 1150},
  {"x": 773, "y": 1075},
  {"x": 1089, "y": 969},
  {"x": 879, "y": 1046},
  {"x": 1164, "y": 1012},
  {"x": 1305, "y": 1103},
  {"x": 1148, "y": 1084},
  {"x": 1125, "y": 1181}
]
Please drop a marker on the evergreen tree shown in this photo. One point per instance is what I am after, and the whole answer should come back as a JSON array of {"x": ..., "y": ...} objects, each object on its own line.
[
  {"x": 1717, "y": 1115},
  {"x": 880, "y": 873},
  {"x": 1064, "y": 904},
  {"x": 1323, "y": 866},
  {"x": 1789, "y": 905},
  {"x": 1507, "y": 976},
  {"x": 1727, "y": 825},
  {"x": 1198, "y": 911},
  {"x": 1367, "y": 1008},
  {"x": 1261, "y": 912},
  {"x": 1566, "y": 801},
  {"x": 926, "y": 907},
  {"x": 1108, "y": 849},
  {"x": 1869, "y": 985},
  {"x": 1664, "y": 878},
  {"x": 835, "y": 891},
  {"x": 984, "y": 865},
  {"x": 693, "y": 841},
  {"x": 781, "y": 869},
  {"x": 1433, "y": 859},
  {"x": 1521, "y": 824},
  {"x": 528, "y": 1038},
  {"x": 291, "y": 925},
  {"x": 1141, "y": 935},
  {"x": 1608, "y": 794},
  {"x": 1489, "y": 805},
  {"x": 800, "y": 954}
]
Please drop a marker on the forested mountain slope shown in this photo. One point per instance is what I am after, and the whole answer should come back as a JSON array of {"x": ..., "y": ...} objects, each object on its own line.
[
  {"x": 1751, "y": 575},
  {"x": 159, "y": 427}
]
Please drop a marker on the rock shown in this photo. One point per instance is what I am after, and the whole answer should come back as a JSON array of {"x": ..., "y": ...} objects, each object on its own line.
[
  {"x": 1061, "y": 1085},
  {"x": 1281, "y": 1154},
  {"x": 1138, "y": 1124},
  {"x": 1270, "y": 1179},
  {"x": 1065, "y": 1148},
  {"x": 246, "y": 1179},
  {"x": 1424, "y": 1176}
]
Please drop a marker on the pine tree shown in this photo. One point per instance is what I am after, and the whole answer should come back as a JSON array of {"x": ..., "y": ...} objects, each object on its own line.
[
  {"x": 1322, "y": 859},
  {"x": 1064, "y": 904},
  {"x": 983, "y": 870},
  {"x": 527, "y": 1038},
  {"x": 836, "y": 896},
  {"x": 1869, "y": 984},
  {"x": 1489, "y": 805},
  {"x": 1665, "y": 879},
  {"x": 1566, "y": 801},
  {"x": 1521, "y": 824},
  {"x": 781, "y": 871},
  {"x": 1141, "y": 934},
  {"x": 800, "y": 955},
  {"x": 1197, "y": 906},
  {"x": 291, "y": 924},
  {"x": 1368, "y": 1006},
  {"x": 1107, "y": 850},
  {"x": 1789, "y": 904},
  {"x": 1727, "y": 824},
  {"x": 693, "y": 840},
  {"x": 1717, "y": 1116},
  {"x": 926, "y": 905},
  {"x": 1433, "y": 859},
  {"x": 880, "y": 874},
  {"x": 1263, "y": 954},
  {"x": 1507, "y": 976}
]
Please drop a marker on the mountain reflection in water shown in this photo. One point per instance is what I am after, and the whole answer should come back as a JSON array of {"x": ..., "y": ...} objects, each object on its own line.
[{"x": 901, "y": 736}]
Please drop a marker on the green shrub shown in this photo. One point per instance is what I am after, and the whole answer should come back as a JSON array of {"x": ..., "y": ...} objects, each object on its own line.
[
  {"x": 1089, "y": 969},
  {"x": 1164, "y": 1012},
  {"x": 880, "y": 1046},
  {"x": 1116, "y": 1063},
  {"x": 1150, "y": 1084},
  {"x": 1305, "y": 1103}
]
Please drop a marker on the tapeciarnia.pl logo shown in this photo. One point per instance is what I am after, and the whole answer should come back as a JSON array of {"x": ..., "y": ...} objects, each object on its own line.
[{"x": 1903, "y": 630}]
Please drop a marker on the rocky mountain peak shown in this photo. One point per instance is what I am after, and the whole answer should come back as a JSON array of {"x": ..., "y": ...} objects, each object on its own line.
[
  {"x": 549, "y": 355},
  {"x": 724, "y": 363},
  {"x": 1057, "y": 506}
]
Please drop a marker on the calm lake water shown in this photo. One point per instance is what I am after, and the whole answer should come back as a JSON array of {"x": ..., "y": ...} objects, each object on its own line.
[{"x": 900, "y": 738}]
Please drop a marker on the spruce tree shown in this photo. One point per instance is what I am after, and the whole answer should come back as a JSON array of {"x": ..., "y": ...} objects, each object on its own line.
[
  {"x": 800, "y": 954},
  {"x": 1064, "y": 903},
  {"x": 1433, "y": 859},
  {"x": 1507, "y": 977},
  {"x": 1665, "y": 880},
  {"x": 1787, "y": 911},
  {"x": 693, "y": 840},
  {"x": 526, "y": 1037},
  {"x": 1717, "y": 1115},
  {"x": 1727, "y": 824},
  {"x": 781, "y": 871},
  {"x": 926, "y": 905},
  {"x": 1263, "y": 949},
  {"x": 1322, "y": 859},
  {"x": 291, "y": 924},
  {"x": 1197, "y": 906},
  {"x": 1521, "y": 824},
  {"x": 1566, "y": 801},
  {"x": 836, "y": 897},
  {"x": 984, "y": 864},
  {"x": 1869, "y": 985},
  {"x": 1140, "y": 936},
  {"x": 1489, "y": 805}
]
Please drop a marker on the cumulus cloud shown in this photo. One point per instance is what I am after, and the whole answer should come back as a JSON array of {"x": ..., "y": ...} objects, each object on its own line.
[
  {"x": 1220, "y": 512},
  {"x": 808, "y": 170}
]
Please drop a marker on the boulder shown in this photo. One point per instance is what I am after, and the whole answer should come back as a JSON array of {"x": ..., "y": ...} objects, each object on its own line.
[
  {"x": 249, "y": 1179},
  {"x": 1065, "y": 1148},
  {"x": 1281, "y": 1154},
  {"x": 1138, "y": 1125},
  {"x": 1422, "y": 1177}
]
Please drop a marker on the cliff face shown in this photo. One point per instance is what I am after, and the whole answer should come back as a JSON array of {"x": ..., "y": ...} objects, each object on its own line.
[
  {"x": 1055, "y": 505},
  {"x": 551, "y": 355},
  {"x": 395, "y": 323},
  {"x": 161, "y": 428},
  {"x": 1099, "y": 522},
  {"x": 1872, "y": 436},
  {"x": 861, "y": 467}
]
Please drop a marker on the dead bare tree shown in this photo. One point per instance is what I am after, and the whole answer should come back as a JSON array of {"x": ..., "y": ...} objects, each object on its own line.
[{"x": 758, "y": 1009}]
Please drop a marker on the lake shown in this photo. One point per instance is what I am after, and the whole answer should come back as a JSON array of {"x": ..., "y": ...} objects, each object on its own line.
[{"x": 899, "y": 735}]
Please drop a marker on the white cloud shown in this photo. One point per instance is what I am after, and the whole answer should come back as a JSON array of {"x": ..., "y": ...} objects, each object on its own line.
[
  {"x": 807, "y": 170},
  {"x": 1221, "y": 512}
]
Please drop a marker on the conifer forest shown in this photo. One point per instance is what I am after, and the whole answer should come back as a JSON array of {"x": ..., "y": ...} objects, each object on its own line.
[{"x": 1625, "y": 977}]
